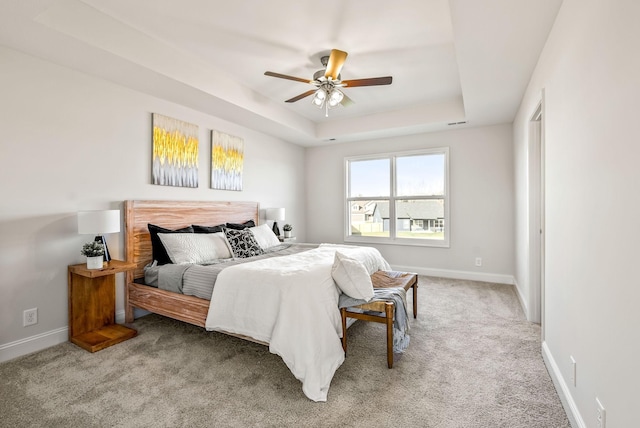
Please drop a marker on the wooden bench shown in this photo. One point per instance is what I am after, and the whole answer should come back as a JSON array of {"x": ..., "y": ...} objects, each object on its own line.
[{"x": 382, "y": 311}]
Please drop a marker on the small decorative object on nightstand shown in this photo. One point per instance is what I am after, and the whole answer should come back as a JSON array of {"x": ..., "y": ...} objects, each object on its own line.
[
  {"x": 92, "y": 306},
  {"x": 287, "y": 228},
  {"x": 94, "y": 252}
]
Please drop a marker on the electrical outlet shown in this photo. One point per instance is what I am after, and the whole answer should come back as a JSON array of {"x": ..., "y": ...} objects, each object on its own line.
[
  {"x": 573, "y": 371},
  {"x": 601, "y": 416},
  {"x": 30, "y": 317},
  {"x": 478, "y": 261}
]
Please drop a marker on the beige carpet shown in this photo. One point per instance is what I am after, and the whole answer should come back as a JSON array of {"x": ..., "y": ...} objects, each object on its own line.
[{"x": 473, "y": 361}]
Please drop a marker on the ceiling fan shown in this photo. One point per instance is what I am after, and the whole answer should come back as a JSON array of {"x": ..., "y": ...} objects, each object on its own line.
[{"x": 328, "y": 82}]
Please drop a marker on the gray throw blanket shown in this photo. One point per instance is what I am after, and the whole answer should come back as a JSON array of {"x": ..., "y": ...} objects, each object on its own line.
[
  {"x": 169, "y": 278},
  {"x": 401, "y": 320}
]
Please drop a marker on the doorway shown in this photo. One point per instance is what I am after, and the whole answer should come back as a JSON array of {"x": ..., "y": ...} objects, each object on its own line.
[{"x": 536, "y": 215}]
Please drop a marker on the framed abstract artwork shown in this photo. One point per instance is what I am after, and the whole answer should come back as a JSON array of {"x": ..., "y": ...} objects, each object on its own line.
[
  {"x": 227, "y": 161},
  {"x": 175, "y": 152}
]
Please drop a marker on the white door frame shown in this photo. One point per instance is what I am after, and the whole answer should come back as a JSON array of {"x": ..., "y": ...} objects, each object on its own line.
[{"x": 536, "y": 214}]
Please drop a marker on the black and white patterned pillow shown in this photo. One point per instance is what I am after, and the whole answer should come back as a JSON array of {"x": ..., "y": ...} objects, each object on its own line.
[{"x": 243, "y": 243}]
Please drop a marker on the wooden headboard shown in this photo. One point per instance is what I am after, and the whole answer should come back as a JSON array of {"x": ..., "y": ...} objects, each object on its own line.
[{"x": 175, "y": 215}]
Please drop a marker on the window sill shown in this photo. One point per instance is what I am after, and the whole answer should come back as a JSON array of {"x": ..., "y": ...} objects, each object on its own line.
[{"x": 432, "y": 243}]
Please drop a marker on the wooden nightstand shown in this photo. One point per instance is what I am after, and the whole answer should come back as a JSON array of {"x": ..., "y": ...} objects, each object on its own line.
[
  {"x": 283, "y": 239},
  {"x": 92, "y": 306}
]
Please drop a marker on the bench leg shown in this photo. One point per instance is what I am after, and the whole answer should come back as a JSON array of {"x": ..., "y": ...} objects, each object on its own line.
[
  {"x": 389, "y": 316},
  {"x": 343, "y": 313},
  {"x": 415, "y": 299}
]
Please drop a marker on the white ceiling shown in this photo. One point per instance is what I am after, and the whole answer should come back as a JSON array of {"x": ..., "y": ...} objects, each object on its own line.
[{"x": 451, "y": 60}]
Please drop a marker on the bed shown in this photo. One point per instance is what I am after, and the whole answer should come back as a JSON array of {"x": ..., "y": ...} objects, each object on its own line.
[
  {"x": 289, "y": 304},
  {"x": 172, "y": 215}
]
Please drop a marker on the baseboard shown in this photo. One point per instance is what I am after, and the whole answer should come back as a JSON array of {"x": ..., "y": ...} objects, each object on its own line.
[
  {"x": 523, "y": 302},
  {"x": 36, "y": 343},
  {"x": 458, "y": 274},
  {"x": 562, "y": 388}
]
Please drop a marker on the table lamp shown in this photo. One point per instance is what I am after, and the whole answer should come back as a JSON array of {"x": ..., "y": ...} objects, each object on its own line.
[
  {"x": 275, "y": 214},
  {"x": 99, "y": 223}
]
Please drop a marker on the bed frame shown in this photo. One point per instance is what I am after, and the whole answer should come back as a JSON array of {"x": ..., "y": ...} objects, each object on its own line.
[{"x": 172, "y": 215}]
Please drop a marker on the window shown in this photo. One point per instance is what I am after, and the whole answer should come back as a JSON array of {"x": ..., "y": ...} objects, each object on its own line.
[{"x": 399, "y": 198}]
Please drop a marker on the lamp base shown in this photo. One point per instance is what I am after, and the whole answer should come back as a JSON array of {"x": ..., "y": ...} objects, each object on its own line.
[
  {"x": 276, "y": 229},
  {"x": 101, "y": 239}
]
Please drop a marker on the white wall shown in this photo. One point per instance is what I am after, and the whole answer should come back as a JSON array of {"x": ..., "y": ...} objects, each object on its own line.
[
  {"x": 481, "y": 188},
  {"x": 590, "y": 71},
  {"x": 71, "y": 142}
]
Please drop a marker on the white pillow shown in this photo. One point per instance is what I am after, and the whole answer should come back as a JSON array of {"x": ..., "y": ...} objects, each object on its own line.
[
  {"x": 195, "y": 247},
  {"x": 352, "y": 277},
  {"x": 264, "y": 236}
]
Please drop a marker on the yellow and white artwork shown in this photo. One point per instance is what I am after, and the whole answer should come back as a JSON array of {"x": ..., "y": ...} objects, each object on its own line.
[
  {"x": 227, "y": 160},
  {"x": 175, "y": 152}
]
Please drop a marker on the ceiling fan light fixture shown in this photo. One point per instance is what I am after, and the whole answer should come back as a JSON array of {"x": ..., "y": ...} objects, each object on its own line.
[
  {"x": 319, "y": 97},
  {"x": 335, "y": 98}
]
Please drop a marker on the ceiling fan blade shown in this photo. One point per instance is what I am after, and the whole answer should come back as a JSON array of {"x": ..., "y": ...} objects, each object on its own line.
[
  {"x": 301, "y": 96},
  {"x": 284, "y": 76},
  {"x": 346, "y": 101},
  {"x": 373, "y": 81},
  {"x": 336, "y": 61}
]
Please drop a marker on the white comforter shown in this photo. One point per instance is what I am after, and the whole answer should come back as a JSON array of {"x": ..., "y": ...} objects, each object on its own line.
[{"x": 290, "y": 302}]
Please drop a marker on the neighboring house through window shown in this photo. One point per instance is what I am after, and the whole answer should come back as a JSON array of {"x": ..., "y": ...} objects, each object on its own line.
[{"x": 398, "y": 198}]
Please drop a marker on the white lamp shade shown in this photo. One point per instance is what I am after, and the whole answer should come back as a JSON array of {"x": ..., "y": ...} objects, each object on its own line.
[
  {"x": 275, "y": 214},
  {"x": 98, "y": 222}
]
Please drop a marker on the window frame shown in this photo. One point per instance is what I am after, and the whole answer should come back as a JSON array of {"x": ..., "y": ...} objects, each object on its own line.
[{"x": 392, "y": 199}]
